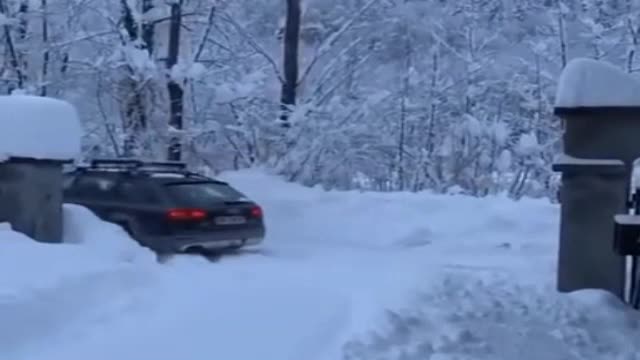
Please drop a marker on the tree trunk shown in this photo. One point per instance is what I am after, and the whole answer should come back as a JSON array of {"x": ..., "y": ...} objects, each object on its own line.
[
  {"x": 147, "y": 28},
  {"x": 562, "y": 35},
  {"x": 23, "y": 15},
  {"x": 14, "y": 59},
  {"x": 176, "y": 92},
  {"x": 404, "y": 98},
  {"x": 45, "y": 41},
  {"x": 135, "y": 121},
  {"x": 290, "y": 61},
  {"x": 435, "y": 75}
]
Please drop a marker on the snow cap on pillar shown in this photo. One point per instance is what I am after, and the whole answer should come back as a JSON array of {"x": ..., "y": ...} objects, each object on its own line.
[
  {"x": 600, "y": 104},
  {"x": 39, "y": 128},
  {"x": 595, "y": 83}
]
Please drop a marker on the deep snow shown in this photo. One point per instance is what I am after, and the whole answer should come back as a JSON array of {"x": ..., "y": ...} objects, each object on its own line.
[{"x": 462, "y": 278}]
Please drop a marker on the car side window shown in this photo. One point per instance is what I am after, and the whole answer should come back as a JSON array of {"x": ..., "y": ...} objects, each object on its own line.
[
  {"x": 68, "y": 182},
  {"x": 135, "y": 192},
  {"x": 92, "y": 187}
]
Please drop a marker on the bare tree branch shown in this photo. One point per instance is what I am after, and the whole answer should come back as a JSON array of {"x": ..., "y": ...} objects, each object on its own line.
[
  {"x": 252, "y": 42},
  {"x": 325, "y": 47},
  {"x": 205, "y": 36}
]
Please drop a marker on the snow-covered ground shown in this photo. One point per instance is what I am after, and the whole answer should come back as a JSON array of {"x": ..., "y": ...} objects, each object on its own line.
[{"x": 341, "y": 276}]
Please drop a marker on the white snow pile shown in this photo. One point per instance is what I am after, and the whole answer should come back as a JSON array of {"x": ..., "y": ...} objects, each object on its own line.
[
  {"x": 46, "y": 286},
  {"x": 589, "y": 83},
  {"x": 381, "y": 220},
  {"x": 82, "y": 227},
  {"x": 90, "y": 246},
  {"x": 38, "y": 128},
  {"x": 475, "y": 317}
]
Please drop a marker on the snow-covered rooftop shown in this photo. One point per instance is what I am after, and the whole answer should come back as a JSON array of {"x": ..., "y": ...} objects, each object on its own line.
[
  {"x": 38, "y": 128},
  {"x": 593, "y": 83}
]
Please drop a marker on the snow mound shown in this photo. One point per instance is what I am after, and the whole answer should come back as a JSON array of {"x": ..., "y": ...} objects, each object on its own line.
[
  {"x": 470, "y": 317},
  {"x": 38, "y": 128},
  {"x": 45, "y": 286},
  {"x": 590, "y": 83},
  {"x": 374, "y": 220},
  {"x": 91, "y": 246},
  {"x": 81, "y": 226}
]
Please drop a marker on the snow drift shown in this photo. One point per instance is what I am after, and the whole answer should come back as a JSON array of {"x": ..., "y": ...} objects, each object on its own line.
[{"x": 45, "y": 286}]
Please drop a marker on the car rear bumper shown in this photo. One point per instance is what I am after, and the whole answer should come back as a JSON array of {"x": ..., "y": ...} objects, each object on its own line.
[{"x": 218, "y": 240}]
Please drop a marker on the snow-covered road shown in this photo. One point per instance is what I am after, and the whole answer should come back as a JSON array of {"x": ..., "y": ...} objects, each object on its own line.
[{"x": 465, "y": 279}]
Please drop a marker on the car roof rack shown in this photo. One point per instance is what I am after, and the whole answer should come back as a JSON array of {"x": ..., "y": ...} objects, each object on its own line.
[
  {"x": 164, "y": 165},
  {"x": 115, "y": 163},
  {"x": 140, "y": 167},
  {"x": 137, "y": 164}
]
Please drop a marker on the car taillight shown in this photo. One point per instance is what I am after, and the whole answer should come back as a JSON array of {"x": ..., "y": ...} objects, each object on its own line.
[
  {"x": 256, "y": 212},
  {"x": 186, "y": 214}
]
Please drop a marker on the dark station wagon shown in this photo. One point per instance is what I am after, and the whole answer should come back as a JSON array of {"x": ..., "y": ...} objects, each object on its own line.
[{"x": 165, "y": 207}]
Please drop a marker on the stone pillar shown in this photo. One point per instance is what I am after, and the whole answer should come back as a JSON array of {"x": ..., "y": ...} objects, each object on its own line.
[
  {"x": 31, "y": 198},
  {"x": 592, "y": 193},
  {"x": 600, "y": 146}
]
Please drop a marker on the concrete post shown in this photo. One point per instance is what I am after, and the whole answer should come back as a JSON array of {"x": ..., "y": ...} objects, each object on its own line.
[
  {"x": 600, "y": 146},
  {"x": 40, "y": 135},
  {"x": 31, "y": 198},
  {"x": 592, "y": 193}
]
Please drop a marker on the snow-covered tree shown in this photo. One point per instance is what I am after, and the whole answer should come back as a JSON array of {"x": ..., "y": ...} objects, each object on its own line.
[{"x": 389, "y": 94}]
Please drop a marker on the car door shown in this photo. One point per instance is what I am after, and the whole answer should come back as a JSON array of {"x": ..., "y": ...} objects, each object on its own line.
[
  {"x": 141, "y": 207},
  {"x": 117, "y": 198},
  {"x": 94, "y": 191}
]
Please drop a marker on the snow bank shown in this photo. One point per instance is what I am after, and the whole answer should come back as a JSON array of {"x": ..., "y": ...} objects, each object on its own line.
[
  {"x": 322, "y": 219},
  {"x": 43, "y": 286},
  {"x": 590, "y": 83},
  {"x": 466, "y": 316},
  {"x": 39, "y": 128},
  {"x": 91, "y": 246},
  {"x": 83, "y": 227}
]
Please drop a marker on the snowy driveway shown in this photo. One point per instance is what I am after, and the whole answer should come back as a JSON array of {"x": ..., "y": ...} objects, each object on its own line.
[{"x": 466, "y": 278}]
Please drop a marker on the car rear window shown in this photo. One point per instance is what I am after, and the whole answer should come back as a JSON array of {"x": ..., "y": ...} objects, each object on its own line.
[{"x": 201, "y": 194}]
